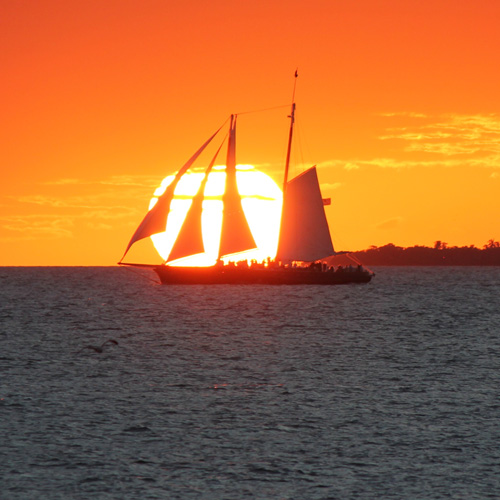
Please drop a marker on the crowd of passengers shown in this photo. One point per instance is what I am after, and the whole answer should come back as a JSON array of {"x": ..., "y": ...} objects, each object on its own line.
[{"x": 316, "y": 266}]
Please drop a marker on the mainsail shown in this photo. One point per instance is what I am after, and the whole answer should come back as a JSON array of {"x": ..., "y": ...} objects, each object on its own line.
[
  {"x": 235, "y": 234},
  {"x": 304, "y": 233}
]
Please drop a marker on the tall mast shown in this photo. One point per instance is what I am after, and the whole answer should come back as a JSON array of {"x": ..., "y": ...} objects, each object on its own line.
[{"x": 290, "y": 135}]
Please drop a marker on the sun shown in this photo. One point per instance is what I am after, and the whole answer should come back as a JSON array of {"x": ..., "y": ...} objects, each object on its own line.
[{"x": 262, "y": 201}]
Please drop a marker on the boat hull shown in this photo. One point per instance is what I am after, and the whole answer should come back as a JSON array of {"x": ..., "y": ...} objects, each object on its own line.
[{"x": 233, "y": 275}]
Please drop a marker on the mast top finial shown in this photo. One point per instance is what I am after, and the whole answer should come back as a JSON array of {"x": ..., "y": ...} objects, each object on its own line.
[{"x": 295, "y": 84}]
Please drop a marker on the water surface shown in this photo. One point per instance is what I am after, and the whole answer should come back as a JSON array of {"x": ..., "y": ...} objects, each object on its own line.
[{"x": 387, "y": 390}]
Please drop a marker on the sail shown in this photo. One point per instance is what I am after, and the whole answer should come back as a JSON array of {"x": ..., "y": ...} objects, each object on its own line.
[
  {"x": 189, "y": 241},
  {"x": 155, "y": 220},
  {"x": 304, "y": 233},
  {"x": 235, "y": 233}
]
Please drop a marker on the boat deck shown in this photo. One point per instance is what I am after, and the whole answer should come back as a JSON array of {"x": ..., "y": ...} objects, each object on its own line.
[{"x": 240, "y": 275}]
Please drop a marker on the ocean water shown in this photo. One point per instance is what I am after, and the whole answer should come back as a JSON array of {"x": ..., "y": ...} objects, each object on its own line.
[{"x": 389, "y": 390}]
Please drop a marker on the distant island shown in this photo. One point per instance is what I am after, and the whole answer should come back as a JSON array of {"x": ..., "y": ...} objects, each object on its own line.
[{"x": 438, "y": 255}]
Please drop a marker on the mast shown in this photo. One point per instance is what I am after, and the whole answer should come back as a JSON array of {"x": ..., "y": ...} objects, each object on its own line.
[
  {"x": 279, "y": 250},
  {"x": 290, "y": 135}
]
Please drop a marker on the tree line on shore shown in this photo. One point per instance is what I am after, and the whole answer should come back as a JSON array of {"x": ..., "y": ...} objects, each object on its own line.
[{"x": 438, "y": 255}]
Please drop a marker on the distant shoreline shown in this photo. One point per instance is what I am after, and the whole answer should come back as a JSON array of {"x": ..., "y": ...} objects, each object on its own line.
[
  {"x": 388, "y": 255},
  {"x": 439, "y": 255}
]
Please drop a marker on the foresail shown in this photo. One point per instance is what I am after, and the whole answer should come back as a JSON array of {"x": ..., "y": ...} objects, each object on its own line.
[
  {"x": 304, "y": 233},
  {"x": 189, "y": 241},
  {"x": 235, "y": 234},
  {"x": 155, "y": 220}
]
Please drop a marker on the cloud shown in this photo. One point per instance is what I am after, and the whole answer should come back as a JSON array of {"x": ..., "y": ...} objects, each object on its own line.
[
  {"x": 99, "y": 226},
  {"x": 133, "y": 180},
  {"x": 39, "y": 199},
  {"x": 108, "y": 213},
  {"x": 330, "y": 186},
  {"x": 415, "y": 136},
  {"x": 63, "y": 223},
  {"x": 30, "y": 227},
  {"x": 405, "y": 163},
  {"x": 410, "y": 114},
  {"x": 444, "y": 141},
  {"x": 114, "y": 180},
  {"x": 63, "y": 214},
  {"x": 451, "y": 135},
  {"x": 64, "y": 182},
  {"x": 71, "y": 202},
  {"x": 351, "y": 166},
  {"x": 390, "y": 223}
]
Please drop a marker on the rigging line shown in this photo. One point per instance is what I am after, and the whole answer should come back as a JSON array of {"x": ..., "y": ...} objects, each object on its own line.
[
  {"x": 298, "y": 150},
  {"x": 304, "y": 150},
  {"x": 262, "y": 110},
  {"x": 357, "y": 261}
]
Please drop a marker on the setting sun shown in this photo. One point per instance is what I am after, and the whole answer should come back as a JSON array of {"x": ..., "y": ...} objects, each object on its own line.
[{"x": 261, "y": 201}]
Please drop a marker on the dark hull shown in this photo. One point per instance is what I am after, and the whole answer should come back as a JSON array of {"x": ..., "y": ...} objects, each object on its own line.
[{"x": 229, "y": 275}]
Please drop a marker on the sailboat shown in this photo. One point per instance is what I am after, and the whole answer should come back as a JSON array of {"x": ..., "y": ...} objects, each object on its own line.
[{"x": 304, "y": 236}]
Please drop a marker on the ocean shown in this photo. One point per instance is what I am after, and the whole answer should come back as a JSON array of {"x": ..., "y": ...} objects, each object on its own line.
[{"x": 389, "y": 390}]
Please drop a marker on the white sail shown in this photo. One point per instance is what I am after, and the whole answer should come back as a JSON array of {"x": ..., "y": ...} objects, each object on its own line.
[
  {"x": 235, "y": 232},
  {"x": 155, "y": 220},
  {"x": 190, "y": 238},
  {"x": 304, "y": 233}
]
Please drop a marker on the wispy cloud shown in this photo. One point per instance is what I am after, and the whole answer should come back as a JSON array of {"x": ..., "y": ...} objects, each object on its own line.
[
  {"x": 63, "y": 182},
  {"x": 63, "y": 215},
  {"x": 95, "y": 202},
  {"x": 330, "y": 186},
  {"x": 50, "y": 201},
  {"x": 63, "y": 223},
  {"x": 410, "y": 114},
  {"x": 390, "y": 223},
  {"x": 351, "y": 166},
  {"x": 444, "y": 141},
  {"x": 492, "y": 161},
  {"x": 30, "y": 227},
  {"x": 451, "y": 135},
  {"x": 100, "y": 226},
  {"x": 133, "y": 180},
  {"x": 115, "y": 180}
]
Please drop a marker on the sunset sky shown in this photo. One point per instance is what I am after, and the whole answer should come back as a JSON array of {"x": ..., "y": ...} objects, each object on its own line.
[{"x": 397, "y": 104}]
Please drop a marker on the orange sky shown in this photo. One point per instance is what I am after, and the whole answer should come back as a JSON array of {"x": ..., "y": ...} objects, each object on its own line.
[{"x": 100, "y": 100}]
